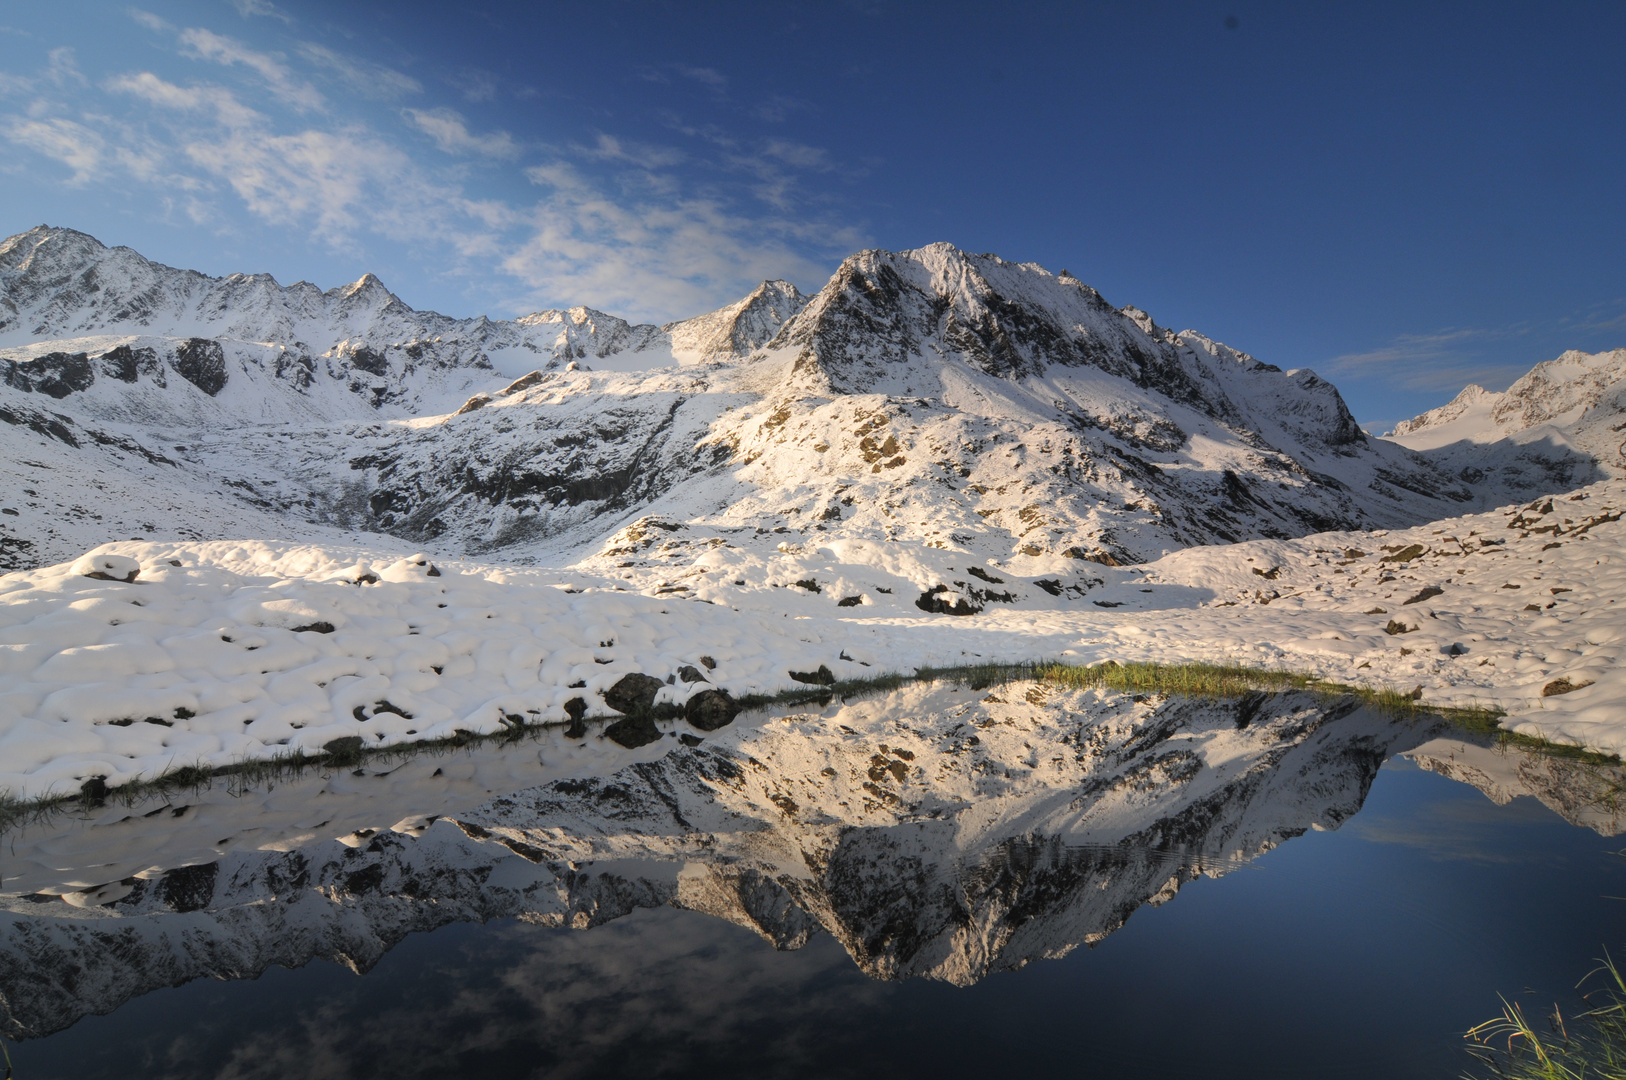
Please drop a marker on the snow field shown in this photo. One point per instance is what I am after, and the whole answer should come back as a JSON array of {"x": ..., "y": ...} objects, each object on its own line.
[{"x": 219, "y": 652}]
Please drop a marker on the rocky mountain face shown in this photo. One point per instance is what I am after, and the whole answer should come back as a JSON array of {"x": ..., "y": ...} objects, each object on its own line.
[
  {"x": 932, "y": 399},
  {"x": 937, "y": 832}
]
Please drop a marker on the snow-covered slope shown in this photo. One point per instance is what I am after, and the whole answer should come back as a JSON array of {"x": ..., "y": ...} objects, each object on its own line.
[{"x": 925, "y": 398}]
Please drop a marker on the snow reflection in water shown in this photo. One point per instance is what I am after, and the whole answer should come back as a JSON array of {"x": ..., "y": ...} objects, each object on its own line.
[{"x": 936, "y": 831}]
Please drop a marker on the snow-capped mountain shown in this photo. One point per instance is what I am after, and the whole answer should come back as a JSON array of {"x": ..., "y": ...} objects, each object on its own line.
[
  {"x": 932, "y": 398},
  {"x": 1560, "y": 410},
  {"x": 141, "y": 322}
]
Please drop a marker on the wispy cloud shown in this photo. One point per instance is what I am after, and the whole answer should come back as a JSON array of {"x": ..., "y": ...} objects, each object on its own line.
[
  {"x": 226, "y": 132},
  {"x": 705, "y": 76},
  {"x": 373, "y": 81},
  {"x": 651, "y": 259},
  {"x": 264, "y": 8},
  {"x": 475, "y": 85},
  {"x": 643, "y": 155},
  {"x": 279, "y": 79},
  {"x": 155, "y": 91},
  {"x": 1608, "y": 317},
  {"x": 149, "y": 20},
  {"x": 73, "y": 144},
  {"x": 1445, "y": 360},
  {"x": 451, "y": 133}
]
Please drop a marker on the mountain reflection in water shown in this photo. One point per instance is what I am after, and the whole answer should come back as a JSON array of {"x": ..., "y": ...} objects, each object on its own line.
[{"x": 936, "y": 831}]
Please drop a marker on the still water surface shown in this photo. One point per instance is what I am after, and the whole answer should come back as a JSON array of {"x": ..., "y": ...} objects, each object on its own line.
[{"x": 1362, "y": 947}]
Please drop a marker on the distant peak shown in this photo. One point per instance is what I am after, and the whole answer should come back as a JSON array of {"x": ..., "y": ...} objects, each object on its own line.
[
  {"x": 776, "y": 288},
  {"x": 365, "y": 285}
]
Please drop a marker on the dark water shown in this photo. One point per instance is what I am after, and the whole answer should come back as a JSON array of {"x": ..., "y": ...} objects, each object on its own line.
[{"x": 1363, "y": 951}]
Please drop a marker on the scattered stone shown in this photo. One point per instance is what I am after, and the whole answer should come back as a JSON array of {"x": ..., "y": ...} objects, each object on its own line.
[
  {"x": 932, "y": 602},
  {"x": 345, "y": 750},
  {"x": 822, "y": 677},
  {"x": 633, "y": 693},
  {"x": 1562, "y": 686},
  {"x": 108, "y": 568},
  {"x": 709, "y": 710}
]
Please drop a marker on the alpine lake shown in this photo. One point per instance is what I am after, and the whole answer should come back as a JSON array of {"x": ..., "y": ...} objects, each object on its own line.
[{"x": 943, "y": 880}]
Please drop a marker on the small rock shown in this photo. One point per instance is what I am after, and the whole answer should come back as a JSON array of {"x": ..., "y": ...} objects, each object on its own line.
[
  {"x": 345, "y": 750},
  {"x": 690, "y": 674},
  {"x": 94, "y": 791},
  {"x": 822, "y": 677},
  {"x": 710, "y": 709},
  {"x": 633, "y": 693},
  {"x": 108, "y": 568}
]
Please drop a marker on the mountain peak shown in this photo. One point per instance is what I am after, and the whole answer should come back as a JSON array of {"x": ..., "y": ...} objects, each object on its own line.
[{"x": 366, "y": 285}]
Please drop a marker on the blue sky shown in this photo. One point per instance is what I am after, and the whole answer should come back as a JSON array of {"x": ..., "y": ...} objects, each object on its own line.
[{"x": 1403, "y": 197}]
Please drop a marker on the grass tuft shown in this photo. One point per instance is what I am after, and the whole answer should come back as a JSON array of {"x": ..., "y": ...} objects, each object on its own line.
[{"x": 1590, "y": 1044}]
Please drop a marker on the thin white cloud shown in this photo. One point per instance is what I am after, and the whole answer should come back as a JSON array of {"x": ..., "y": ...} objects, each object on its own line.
[
  {"x": 73, "y": 144},
  {"x": 705, "y": 76},
  {"x": 207, "y": 45},
  {"x": 155, "y": 91},
  {"x": 643, "y": 155},
  {"x": 1443, "y": 360},
  {"x": 451, "y": 133},
  {"x": 373, "y": 81},
  {"x": 333, "y": 183},
  {"x": 655, "y": 260},
  {"x": 476, "y": 86},
  {"x": 647, "y": 231},
  {"x": 812, "y": 158},
  {"x": 149, "y": 20},
  {"x": 264, "y": 8},
  {"x": 60, "y": 68}
]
